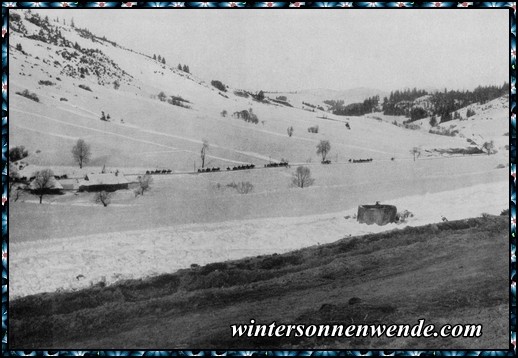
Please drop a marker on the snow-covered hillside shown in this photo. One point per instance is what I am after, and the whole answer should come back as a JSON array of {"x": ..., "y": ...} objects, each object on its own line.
[{"x": 76, "y": 76}]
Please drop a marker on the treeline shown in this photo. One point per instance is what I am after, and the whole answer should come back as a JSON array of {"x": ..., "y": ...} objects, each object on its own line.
[
  {"x": 184, "y": 68},
  {"x": 399, "y": 103},
  {"x": 442, "y": 105},
  {"x": 159, "y": 58},
  {"x": 354, "y": 109}
]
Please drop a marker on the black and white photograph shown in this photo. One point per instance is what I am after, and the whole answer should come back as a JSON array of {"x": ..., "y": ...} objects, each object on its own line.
[{"x": 258, "y": 179}]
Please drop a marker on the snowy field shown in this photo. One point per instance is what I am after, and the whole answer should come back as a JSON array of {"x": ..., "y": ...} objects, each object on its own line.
[{"x": 75, "y": 262}]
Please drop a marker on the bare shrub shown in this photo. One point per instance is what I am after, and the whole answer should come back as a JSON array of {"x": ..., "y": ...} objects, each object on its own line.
[
  {"x": 85, "y": 87},
  {"x": 243, "y": 187},
  {"x": 145, "y": 182},
  {"x": 449, "y": 132},
  {"x": 162, "y": 96},
  {"x": 219, "y": 85},
  {"x": 313, "y": 129},
  {"x": 103, "y": 197},
  {"x": 412, "y": 126},
  {"x": 46, "y": 83},
  {"x": 25, "y": 93},
  {"x": 302, "y": 177},
  {"x": 402, "y": 217},
  {"x": 241, "y": 94},
  {"x": 247, "y": 115},
  {"x": 489, "y": 147}
]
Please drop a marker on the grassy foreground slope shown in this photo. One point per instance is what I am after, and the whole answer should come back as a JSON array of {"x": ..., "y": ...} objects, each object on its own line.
[{"x": 453, "y": 272}]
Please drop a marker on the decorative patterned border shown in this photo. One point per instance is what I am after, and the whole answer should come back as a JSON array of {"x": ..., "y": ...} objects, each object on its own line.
[{"x": 512, "y": 173}]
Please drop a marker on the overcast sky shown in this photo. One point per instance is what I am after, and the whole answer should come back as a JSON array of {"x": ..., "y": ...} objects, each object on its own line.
[{"x": 302, "y": 49}]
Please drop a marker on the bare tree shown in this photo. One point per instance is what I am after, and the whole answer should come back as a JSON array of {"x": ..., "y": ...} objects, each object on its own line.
[
  {"x": 416, "y": 152},
  {"x": 302, "y": 177},
  {"x": 43, "y": 182},
  {"x": 203, "y": 153},
  {"x": 290, "y": 131},
  {"x": 145, "y": 182},
  {"x": 323, "y": 148},
  {"x": 81, "y": 152},
  {"x": 489, "y": 147},
  {"x": 103, "y": 197}
]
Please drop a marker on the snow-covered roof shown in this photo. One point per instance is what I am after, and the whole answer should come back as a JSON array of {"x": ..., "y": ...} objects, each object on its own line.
[{"x": 104, "y": 179}]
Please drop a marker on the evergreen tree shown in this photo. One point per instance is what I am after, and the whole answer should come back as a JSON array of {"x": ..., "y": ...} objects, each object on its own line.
[
  {"x": 154, "y": 57},
  {"x": 159, "y": 58},
  {"x": 163, "y": 60},
  {"x": 180, "y": 67},
  {"x": 72, "y": 23}
]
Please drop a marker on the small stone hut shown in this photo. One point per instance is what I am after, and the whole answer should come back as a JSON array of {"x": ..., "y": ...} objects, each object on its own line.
[{"x": 377, "y": 214}]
